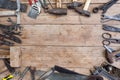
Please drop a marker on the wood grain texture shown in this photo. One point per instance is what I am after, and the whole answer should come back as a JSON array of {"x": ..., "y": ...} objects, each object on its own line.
[
  {"x": 48, "y": 56},
  {"x": 65, "y": 35},
  {"x": 15, "y": 54}
]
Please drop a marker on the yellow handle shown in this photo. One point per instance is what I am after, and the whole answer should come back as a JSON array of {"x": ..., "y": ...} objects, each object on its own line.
[{"x": 8, "y": 77}]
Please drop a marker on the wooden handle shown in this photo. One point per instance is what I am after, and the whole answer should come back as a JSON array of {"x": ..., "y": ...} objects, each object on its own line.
[
  {"x": 87, "y": 5},
  {"x": 74, "y": 0},
  {"x": 58, "y": 4},
  {"x": 7, "y": 13}
]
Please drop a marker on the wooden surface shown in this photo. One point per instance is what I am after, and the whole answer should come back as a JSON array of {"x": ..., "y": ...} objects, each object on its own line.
[{"x": 71, "y": 41}]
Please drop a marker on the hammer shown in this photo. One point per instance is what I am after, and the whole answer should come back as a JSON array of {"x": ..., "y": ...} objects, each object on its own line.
[
  {"x": 58, "y": 10},
  {"x": 74, "y": 4},
  {"x": 85, "y": 11}
]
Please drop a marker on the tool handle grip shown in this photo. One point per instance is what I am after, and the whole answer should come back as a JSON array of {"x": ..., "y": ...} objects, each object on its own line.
[
  {"x": 30, "y": 2},
  {"x": 87, "y": 5}
]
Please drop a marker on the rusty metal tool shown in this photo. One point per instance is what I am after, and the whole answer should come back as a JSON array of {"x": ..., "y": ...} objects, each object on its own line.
[
  {"x": 84, "y": 11},
  {"x": 111, "y": 54},
  {"x": 35, "y": 8},
  {"x": 102, "y": 72},
  {"x": 59, "y": 10},
  {"x": 74, "y": 4}
]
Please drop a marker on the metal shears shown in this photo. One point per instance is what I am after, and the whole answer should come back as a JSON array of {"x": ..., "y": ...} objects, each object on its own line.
[{"x": 108, "y": 39}]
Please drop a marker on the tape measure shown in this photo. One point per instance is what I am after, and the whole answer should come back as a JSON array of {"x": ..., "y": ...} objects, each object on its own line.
[{"x": 8, "y": 77}]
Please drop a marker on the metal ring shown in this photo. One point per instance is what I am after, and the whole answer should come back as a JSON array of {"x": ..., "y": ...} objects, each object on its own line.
[
  {"x": 106, "y": 35},
  {"x": 95, "y": 10},
  {"x": 106, "y": 42}
]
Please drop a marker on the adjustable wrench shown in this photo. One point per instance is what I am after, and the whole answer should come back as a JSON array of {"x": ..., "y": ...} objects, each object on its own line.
[{"x": 13, "y": 13}]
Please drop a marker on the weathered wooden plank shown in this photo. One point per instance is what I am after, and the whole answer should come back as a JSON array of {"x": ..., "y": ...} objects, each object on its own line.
[
  {"x": 15, "y": 56},
  {"x": 48, "y": 56},
  {"x": 65, "y": 35}
]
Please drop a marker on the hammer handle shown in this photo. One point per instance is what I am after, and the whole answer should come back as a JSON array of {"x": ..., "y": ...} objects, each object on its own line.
[
  {"x": 87, "y": 5},
  {"x": 58, "y": 3},
  {"x": 74, "y": 0}
]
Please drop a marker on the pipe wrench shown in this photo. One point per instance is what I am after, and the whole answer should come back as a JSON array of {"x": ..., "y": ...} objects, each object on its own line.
[{"x": 35, "y": 8}]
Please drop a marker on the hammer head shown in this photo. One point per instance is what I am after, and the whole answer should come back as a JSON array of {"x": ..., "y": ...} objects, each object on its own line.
[
  {"x": 74, "y": 5},
  {"x": 83, "y": 12},
  {"x": 58, "y": 11}
]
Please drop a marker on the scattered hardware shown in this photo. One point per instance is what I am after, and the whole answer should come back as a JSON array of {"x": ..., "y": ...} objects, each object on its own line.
[
  {"x": 74, "y": 4},
  {"x": 35, "y": 9},
  {"x": 58, "y": 10},
  {"x": 105, "y": 7},
  {"x": 102, "y": 72},
  {"x": 114, "y": 71},
  {"x": 32, "y": 72},
  {"x": 24, "y": 73},
  {"x": 108, "y": 39},
  {"x": 106, "y": 18},
  {"x": 5, "y": 42},
  {"x": 8, "y": 4},
  {"x": 111, "y": 28},
  {"x": 11, "y": 37},
  {"x": 111, "y": 54},
  {"x": 13, "y": 13},
  {"x": 65, "y": 74},
  {"x": 10, "y": 69},
  {"x": 85, "y": 11}
]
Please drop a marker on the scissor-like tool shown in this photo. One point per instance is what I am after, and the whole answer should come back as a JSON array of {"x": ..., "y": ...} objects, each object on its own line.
[{"x": 108, "y": 39}]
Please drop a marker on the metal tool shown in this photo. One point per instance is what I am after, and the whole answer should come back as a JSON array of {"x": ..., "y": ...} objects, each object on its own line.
[
  {"x": 74, "y": 4},
  {"x": 111, "y": 28},
  {"x": 14, "y": 27},
  {"x": 114, "y": 71},
  {"x": 11, "y": 5},
  {"x": 11, "y": 37},
  {"x": 108, "y": 39},
  {"x": 103, "y": 72},
  {"x": 35, "y": 9},
  {"x": 105, "y": 6},
  {"x": 24, "y": 73},
  {"x": 32, "y": 72},
  {"x": 10, "y": 69},
  {"x": 59, "y": 10},
  {"x": 7, "y": 64},
  {"x": 85, "y": 11},
  {"x": 111, "y": 53},
  {"x": 60, "y": 73},
  {"x": 13, "y": 13},
  {"x": 106, "y": 18},
  {"x": 5, "y": 42}
]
